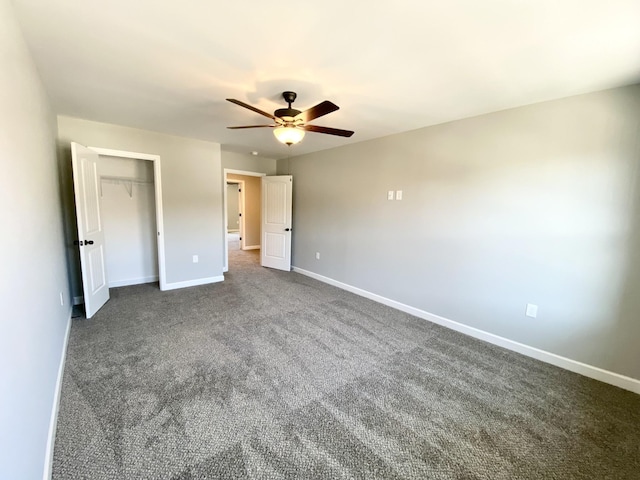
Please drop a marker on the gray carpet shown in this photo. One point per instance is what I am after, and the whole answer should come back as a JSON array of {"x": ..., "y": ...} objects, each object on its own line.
[{"x": 273, "y": 375}]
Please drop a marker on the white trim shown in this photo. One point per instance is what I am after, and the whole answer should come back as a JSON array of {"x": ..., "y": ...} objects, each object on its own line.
[
  {"x": 251, "y": 247},
  {"x": 162, "y": 271},
  {"x": 78, "y": 300},
  {"x": 157, "y": 182},
  {"x": 55, "y": 407},
  {"x": 133, "y": 281},
  {"x": 194, "y": 283},
  {"x": 124, "y": 154},
  {"x": 590, "y": 371},
  {"x": 243, "y": 172}
]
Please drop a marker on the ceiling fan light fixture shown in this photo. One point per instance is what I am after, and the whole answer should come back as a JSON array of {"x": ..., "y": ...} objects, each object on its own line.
[
  {"x": 290, "y": 124},
  {"x": 289, "y": 135}
]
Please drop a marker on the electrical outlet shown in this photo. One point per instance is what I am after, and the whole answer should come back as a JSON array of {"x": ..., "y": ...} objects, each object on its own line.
[
  {"x": 195, "y": 259},
  {"x": 532, "y": 310},
  {"x": 390, "y": 195},
  {"x": 317, "y": 255},
  {"x": 398, "y": 194}
]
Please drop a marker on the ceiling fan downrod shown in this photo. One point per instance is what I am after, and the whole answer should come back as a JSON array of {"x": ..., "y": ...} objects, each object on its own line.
[
  {"x": 287, "y": 114},
  {"x": 289, "y": 97}
]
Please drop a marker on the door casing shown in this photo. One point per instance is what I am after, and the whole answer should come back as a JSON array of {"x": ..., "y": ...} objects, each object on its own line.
[{"x": 157, "y": 180}]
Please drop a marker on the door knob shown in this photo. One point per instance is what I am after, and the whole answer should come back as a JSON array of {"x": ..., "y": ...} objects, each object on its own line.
[
  {"x": 288, "y": 229},
  {"x": 88, "y": 242}
]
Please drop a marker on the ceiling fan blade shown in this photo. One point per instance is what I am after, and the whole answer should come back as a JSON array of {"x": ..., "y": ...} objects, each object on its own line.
[
  {"x": 251, "y": 126},
  {"x": 245, "y": 105},
  {"x": 330, "y": 131},
  {"x": 318, "y": 111}
]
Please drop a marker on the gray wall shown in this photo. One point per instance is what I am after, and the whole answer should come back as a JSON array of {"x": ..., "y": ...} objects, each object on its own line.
[
  {"x": 191, "y": 192},
  {"x": 248, "y": 163},
  {"x": 33, "y": 271},
  {"x": 537, "y": 204}
]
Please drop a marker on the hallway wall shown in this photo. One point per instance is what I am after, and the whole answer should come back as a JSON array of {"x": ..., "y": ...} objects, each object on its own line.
[{"x": 233, "y": 207}]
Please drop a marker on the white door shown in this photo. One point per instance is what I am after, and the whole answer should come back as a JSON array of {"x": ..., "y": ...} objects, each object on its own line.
[
  {"x": 276, "y": 221},
  {"x": 90, "y": 230}
]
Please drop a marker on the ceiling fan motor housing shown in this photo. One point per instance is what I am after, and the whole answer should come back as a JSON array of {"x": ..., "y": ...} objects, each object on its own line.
[{"x": 286, "y": 112}]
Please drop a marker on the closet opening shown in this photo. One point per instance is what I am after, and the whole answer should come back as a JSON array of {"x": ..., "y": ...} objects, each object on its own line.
[{"x": 127, "y": 194}]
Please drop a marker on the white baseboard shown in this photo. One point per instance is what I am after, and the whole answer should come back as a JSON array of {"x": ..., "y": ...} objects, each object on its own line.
[
  {"x": 252, "y": 247},
  {"x": 78, "y": 300},
  {"x": 53, "y": 422},
  {"x": 133, "y": 281},
  {"x": 590, "y": 371},
  {"x": 193, "y": 283}
]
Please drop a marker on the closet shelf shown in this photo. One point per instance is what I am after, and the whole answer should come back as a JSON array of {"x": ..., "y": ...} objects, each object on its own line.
[{"x": 127, "y": 182}]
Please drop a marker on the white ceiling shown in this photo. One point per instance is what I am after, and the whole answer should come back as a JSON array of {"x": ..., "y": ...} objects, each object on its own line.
[{"x": 168, "y": 65}]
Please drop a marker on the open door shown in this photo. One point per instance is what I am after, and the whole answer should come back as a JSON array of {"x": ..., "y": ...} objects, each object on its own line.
[
  {"x": 276, "y": 221},
  {"x": 90, "y": 230}
]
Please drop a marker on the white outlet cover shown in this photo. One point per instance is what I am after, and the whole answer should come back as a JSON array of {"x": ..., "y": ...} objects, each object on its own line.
[
  {"x": 390, "y": 195},
  {"x": 532, "y": 310},
  {"x": 317, "y": 255},
  {"x": 398, "y": 194},
  {"x": 195, "y": 259}
]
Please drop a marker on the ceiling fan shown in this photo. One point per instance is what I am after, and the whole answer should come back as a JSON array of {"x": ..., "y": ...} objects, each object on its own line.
[{"x": 291, "y": 124}]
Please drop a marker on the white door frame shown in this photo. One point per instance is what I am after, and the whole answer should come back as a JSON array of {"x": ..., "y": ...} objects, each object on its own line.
[
  {"x": 225, "y": 268},
  {"x": 241, "y": 225},
  {"x": 157, "y": 182}
]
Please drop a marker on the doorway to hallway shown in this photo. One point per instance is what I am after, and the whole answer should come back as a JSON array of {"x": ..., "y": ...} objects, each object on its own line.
[{"x": 243, "y": 214}]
